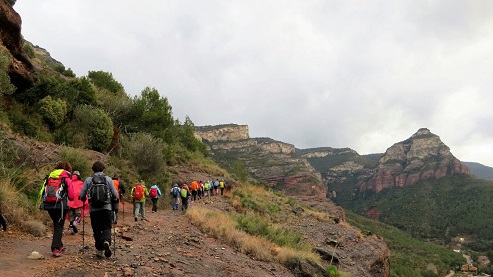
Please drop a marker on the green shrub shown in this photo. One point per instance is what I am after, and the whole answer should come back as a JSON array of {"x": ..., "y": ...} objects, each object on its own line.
[
  {"x": 332, "y": 270},
  {"x": 95, "y": 124},
  {"x": 53, "y": 111},
  {"x": 78, "y": 161},
  {"x": 145, "y": 152}
]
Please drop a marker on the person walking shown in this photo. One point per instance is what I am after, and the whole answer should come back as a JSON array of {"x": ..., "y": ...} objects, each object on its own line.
[
  {"x": 185, "y": 195},
  {"x": 222, "y": 184},
  {"x": 139, "y": 193},
  {"x": 175, "y": 194},
  {"x": 120, "y": 188},
  {"x": 101, "y": 193},
  {"x": 76, "y": 206},
  {"x": 57, "y": 189},
  {"x": 154, "y": 193}
]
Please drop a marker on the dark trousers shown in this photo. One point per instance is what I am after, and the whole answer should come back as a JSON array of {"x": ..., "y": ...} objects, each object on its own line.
[
  {"x": 58, "y": 220},
  {"x": 154, "y": 204},
  {"x": 101, "y": 227},
  {"x": 184, "y": 203}
]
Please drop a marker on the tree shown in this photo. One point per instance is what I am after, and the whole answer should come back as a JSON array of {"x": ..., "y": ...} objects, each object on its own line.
[
  {"x": 105, "y": 80},
  {"x": 95, "y": 124},
  {"x": 151, "y": 113},
  {"x": 188, "y": 139}
]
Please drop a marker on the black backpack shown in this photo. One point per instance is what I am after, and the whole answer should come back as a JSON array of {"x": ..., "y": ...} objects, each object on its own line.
[{"x": 99, "y": 192}]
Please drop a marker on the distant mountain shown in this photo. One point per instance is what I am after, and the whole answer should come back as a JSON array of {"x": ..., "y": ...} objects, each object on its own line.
[{"x": 480, "y": 171}]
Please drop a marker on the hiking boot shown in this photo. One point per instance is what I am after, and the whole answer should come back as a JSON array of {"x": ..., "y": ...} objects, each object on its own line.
[
  {"x": 73, "y": 229},
  {"x": 76, "y": 221},
  {"x": 107, "y": 250},
  {"x": 57, "y": 252},
  {"x": 100, "y": 254}
]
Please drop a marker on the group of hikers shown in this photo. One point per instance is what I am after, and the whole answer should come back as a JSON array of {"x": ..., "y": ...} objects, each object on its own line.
[
  {"x": 66, "y": 197},
  {"x": 195, "y": 191}
]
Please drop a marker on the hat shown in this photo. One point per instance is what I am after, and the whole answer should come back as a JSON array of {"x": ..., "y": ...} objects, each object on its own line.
[{"x": 76, "y": 173}]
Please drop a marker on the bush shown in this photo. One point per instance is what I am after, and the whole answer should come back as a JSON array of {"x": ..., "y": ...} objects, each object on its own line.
[
  {"x": 53, "y": 111},
  {"x": 95, "y": 124},
  {"x": 78, "y": 161},
  {"x": 145, "y": 152}
]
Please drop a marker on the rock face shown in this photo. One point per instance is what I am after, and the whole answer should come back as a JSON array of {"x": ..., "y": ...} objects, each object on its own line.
[
  {"x": 227, "y": 132},
  {"x": 266, "y": 159},
  {"x": 422, "y": 156},
  {"x": 20, "y": 70}
]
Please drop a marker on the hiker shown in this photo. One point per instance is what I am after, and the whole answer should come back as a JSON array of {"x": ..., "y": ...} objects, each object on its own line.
[
  {"x": 154, "y": 193},
  {"x": 101, "y": 193},
  {"x": 194, "y": 187},
  {"x": 139, "y": 193},
  {"x": 201, "y": 190},
  {"x": 56, "y": 190},
  {"x": 222, "y": 184},
  {"x": 207, "y": 189},
  {"x": 120, "y": 189},
  {"x": 76, "y": 206},
  {"x": 184, "y": 194},
  {"x": 175, "y": 193},
  {"x": 216, "y": 187}
]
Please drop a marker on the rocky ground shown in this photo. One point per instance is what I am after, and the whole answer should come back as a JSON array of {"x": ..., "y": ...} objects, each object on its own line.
[{"x": 166, "y": 244}]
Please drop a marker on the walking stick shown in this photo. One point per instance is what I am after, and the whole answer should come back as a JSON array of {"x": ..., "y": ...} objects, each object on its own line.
[{"x": 83, "y": 225}]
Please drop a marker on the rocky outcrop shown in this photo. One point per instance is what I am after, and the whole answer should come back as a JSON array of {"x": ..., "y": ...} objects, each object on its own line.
[
  {"x": 265, "y": 159},
  {"x": 422, "y": 156},
  {"x": 20, "y": 69},
  {"x": 227, "y": 132},
  {"x": 351, "y": 250}
]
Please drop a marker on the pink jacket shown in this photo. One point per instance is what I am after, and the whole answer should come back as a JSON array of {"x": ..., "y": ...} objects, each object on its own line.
[{"x": 76, "y": 203}]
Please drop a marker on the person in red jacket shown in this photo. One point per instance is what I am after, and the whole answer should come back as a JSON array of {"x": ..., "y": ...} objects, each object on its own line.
[
  {"x": 56, "y": 191},
  {"x": 75, "y": 211}
]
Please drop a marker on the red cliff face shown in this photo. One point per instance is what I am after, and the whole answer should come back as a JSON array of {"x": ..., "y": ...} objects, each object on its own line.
[
  {"x": 20, "y": 69},
  {"x": 422, "y": 156}
]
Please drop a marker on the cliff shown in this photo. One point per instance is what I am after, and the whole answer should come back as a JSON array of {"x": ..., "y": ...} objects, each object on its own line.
[
  {"x": 11, "y": 41},
  {"x": 265, "y": 159},
  {"x": 422, "y": 156}
]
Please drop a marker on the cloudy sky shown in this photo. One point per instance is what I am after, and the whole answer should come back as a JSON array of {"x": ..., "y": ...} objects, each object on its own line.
[{"x": 358, "y": 74}]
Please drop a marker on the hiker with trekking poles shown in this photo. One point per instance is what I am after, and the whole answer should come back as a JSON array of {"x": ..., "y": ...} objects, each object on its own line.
[
  {"x": 101, "y": 193},
  {"x": 57, "y": 189}
]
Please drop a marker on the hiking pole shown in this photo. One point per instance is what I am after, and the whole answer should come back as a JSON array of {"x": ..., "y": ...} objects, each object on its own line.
[{"x": 83, "y": 225}]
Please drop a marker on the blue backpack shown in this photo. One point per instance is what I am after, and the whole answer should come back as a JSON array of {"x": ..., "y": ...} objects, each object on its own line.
[{"x": 175, "y": 191}]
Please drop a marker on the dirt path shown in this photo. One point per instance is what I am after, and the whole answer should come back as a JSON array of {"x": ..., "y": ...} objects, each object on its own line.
[{"x": 167, "y": 244}]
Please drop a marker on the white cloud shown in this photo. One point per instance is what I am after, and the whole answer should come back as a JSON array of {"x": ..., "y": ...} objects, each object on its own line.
[{"x": 312, "y": 73}]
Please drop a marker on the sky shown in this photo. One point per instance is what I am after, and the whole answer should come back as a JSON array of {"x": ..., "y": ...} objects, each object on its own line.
[{"x": 313, "y": 73}]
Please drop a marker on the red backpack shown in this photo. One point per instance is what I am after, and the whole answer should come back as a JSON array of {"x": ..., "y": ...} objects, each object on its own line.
[
  {"x": 153, "y": 193},
  {"x": 53, "y": 189},
  {"x": 138, "y": 192}
]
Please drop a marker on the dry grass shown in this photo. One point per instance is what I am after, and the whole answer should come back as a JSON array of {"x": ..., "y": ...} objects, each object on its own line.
[
  {"x": 18, "y": 210},
  {"x": 223, "y": 227}
]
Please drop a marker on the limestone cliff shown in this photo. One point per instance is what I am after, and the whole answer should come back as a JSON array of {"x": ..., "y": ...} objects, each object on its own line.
[
  {"x": 422, "y": 156},
  {"x": 226, "y": 132},
  {"x": 264, "y": 158}
]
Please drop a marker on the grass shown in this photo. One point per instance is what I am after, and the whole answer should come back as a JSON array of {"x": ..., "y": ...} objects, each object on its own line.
[
  {"x": 19, "y": 211},
  {"x": 254, "y": 235}
]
